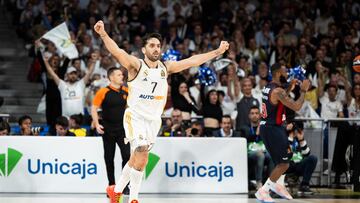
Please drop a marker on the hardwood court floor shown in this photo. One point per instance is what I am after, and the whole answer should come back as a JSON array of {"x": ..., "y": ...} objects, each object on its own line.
[{"x": 151, "y": 198}]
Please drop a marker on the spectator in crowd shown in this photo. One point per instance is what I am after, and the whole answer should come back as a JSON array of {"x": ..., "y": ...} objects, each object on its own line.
[
  {"x": 195, "y": 130},
  {"x": 52, "y": 93},
  {"x": 346, "y": 134},
  {"x": 25, "y": 124},
  {"x": 330, "y": 107},
  {"x": 245, "y": 104},
  {"x": 72, "y": 91},
  {"x": 256, "y": 54},
  {"x": 175, "y": 127},
  {"x": 302, "y": 162},
  {"x": 226, "y": 129},
  {"x": 302, "y": 55},
  {"x": 340, "y": 81},
  {"x": 233, "y": 83},
  {"x": 265, "y": 37},
  {"x": 212, "y": 113},
  {"x": 62, "y": 127},
  {"x": 184, "y": 101},
  {"x": 4, "y": 128},
  {"x": 75, "y": 123},
  {"x": 227, "y": 105},
  {"x": 257, "y": 154}
]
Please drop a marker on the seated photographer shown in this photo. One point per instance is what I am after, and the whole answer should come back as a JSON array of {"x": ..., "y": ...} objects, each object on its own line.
[
  {"x": 25, "y": 124},
  {"x": 257, "y": 155},
  {"x": 4, "y": 128},
  {"x": 226, "y": 129},
  {"x": 302, "y": 162},
  {"x": 62, "y": 127},
  {"x": 175, "y": 127},
  {"x": 196, "y": 130}
]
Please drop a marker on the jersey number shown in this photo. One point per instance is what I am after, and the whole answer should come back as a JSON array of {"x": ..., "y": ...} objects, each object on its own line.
[
  {"x": 155, "y": 84},
  {"x": 263, "y": 111}
]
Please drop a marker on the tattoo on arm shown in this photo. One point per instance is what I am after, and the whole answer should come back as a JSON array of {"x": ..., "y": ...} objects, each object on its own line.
[
  {"x": 284, "y": 98},
  {"x": 290, "y": 103}
]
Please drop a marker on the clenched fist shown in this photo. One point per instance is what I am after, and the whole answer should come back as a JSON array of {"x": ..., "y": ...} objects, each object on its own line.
[
  {"x": 224, "y": 45},
  {"x": 99, "y": 28}
]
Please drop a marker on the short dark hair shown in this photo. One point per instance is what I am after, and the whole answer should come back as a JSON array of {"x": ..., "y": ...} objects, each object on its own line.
[
  {"x": 149, "y": 36},
  {"x": 63, "y": 121},
  {"x": 226, "y": 116},
  {"x": 220, "y": 92},
  {"x": 196, "y": 123},
  {"x": 78, "y": 118},
  {"x": 122, "y": 69},
  {"x": 332, "y": 86},
  {"x": 254, "y": 107},
  {"x": 5, "y": 126},
  {"x": 275, "y": 67},
  {"x": 23, "y": 118},
  {"x": 75, "y": 59}
]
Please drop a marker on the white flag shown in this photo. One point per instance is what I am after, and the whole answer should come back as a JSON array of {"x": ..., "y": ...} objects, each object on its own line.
[
  {"x": 221, "y": 63},
  {"x": 60, "y": 36}
]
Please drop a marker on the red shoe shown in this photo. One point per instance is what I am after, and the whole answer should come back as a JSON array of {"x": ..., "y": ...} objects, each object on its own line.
[
  {"x": 134, "y": 201},
  {"x": 114, "y": 196}
]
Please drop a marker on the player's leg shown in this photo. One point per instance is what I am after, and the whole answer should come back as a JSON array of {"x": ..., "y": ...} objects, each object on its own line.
[
  {"x": 130, "y": 131},
  {"x": 277, "y": 144},
  {"x": 263, "y": 193},
  {"x": 138, "y": 161},
  {"x": 125, "y": 155}
]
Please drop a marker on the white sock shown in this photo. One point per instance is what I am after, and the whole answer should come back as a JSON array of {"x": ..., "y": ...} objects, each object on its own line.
[
  {"x": 124, "y": 179},
  {"x": 268, "y": 184},
  {"x": 135, "y": 183}
]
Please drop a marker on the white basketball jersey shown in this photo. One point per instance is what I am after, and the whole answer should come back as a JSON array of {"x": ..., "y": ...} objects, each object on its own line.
[{"x": 148, "y": 91}]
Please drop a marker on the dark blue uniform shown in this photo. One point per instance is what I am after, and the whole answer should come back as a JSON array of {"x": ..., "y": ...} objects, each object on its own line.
[{"x": 272, "y": 129}]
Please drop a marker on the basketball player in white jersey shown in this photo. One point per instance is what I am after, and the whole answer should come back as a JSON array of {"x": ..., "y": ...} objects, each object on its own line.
[{"x": 147, "y": 81}]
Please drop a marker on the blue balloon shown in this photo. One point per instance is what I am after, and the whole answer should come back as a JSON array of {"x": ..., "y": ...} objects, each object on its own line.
[
  {"x": 171, "y": 55},
  {"x": 207, "y": 76},
  {"x": 297, "y": 72}
]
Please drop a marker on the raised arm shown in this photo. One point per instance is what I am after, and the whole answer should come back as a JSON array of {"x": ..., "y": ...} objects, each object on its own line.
[
  {"x": 282, "y": 96},
  {"x": 196, "y": 60},
  {"x": 91, "y": 65},
  {"x": 347, "y": 90},
  {"x": 125, "y": 59},
  {"x": 50, "y": 70}
]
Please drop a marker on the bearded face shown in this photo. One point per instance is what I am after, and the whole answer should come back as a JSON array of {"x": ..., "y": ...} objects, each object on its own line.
[{"x": 152, "y": 49}]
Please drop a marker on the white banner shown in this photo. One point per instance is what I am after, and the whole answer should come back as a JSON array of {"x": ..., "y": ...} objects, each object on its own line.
[
  {"x": 76, "y": 165},
  {"x": 60, "y": 36},
  {"x": 197, "y": 165}
]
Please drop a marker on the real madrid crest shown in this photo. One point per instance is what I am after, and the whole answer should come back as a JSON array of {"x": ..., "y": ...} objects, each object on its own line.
[
  {"x": 162, "y": 73},
  {"x": 146, "y": 73}
]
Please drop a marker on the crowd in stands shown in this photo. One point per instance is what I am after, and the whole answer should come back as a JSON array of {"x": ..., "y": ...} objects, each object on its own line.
[{"x": 323, "y": 36}]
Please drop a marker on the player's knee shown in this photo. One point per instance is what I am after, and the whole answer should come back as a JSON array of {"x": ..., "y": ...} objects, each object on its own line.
[{"x": 141, "y": 157}]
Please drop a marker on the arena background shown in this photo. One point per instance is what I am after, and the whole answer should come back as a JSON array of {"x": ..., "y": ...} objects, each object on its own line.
[{"x": 322, "y": 36}]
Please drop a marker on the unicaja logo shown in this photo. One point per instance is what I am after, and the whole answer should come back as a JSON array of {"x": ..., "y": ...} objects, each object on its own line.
[
  {"x": 9, "y": 161},
  {"x": 152, "y": 162}
]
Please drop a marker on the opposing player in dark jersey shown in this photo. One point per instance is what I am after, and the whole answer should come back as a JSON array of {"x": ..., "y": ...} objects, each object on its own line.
[{"x": 273, "y": 131}]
